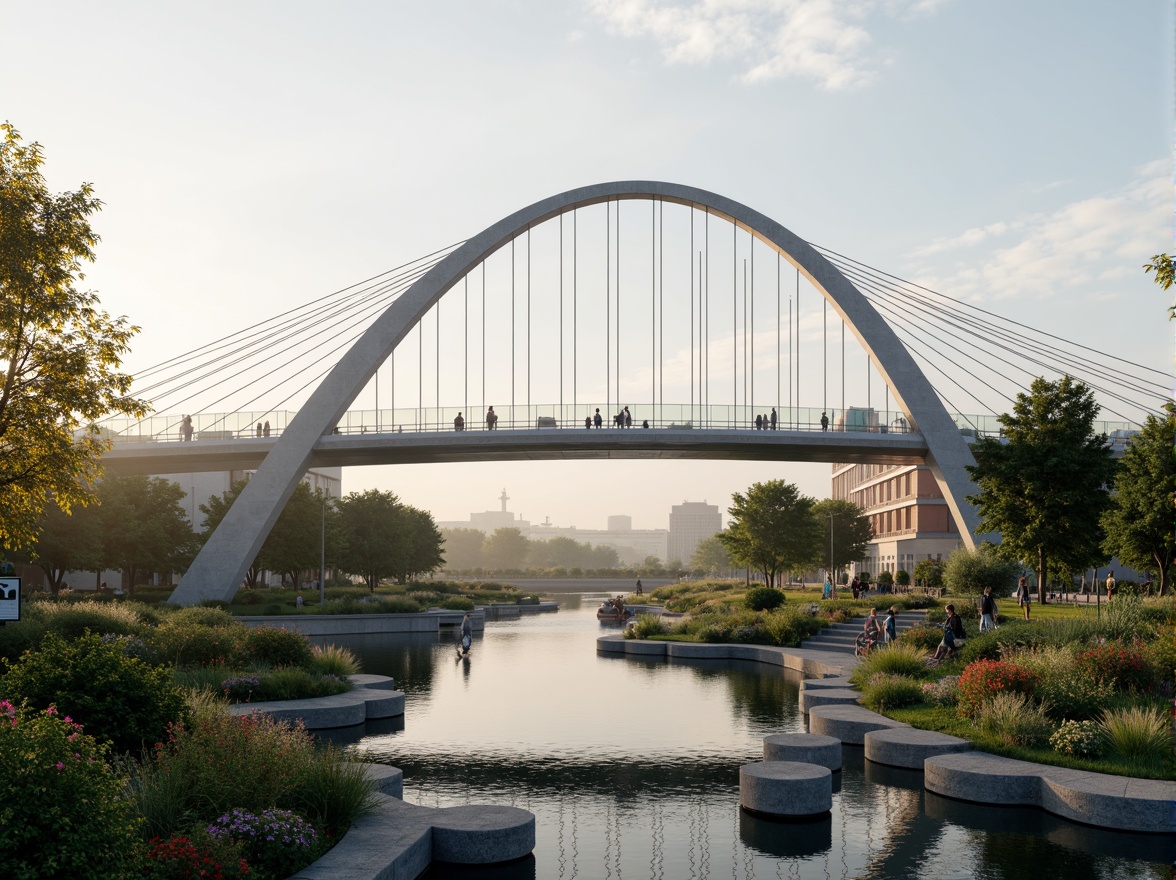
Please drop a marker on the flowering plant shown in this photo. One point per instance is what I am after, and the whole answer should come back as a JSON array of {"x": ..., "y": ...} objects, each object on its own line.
[
  {"x": 983, "y": 679},
  {"x": 944, "y": 692},
  {"x": 1113, "y": 663},
  {"x": 240, "y": 688},
  {"x": 1082, "y": 739},
  {"x": 179, "y": 858},
  {"x": 276, "y": 842},
  {"x": 55, "y": 778}
]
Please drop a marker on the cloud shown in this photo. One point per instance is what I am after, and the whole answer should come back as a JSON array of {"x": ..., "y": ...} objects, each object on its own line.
[
  {"x": 824, "y": 41},
  {"x": 1101, "y": 241}
]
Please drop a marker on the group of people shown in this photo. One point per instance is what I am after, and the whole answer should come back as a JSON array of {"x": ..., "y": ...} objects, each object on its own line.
[
  {"x": 766, "y": 423},
  {"x": 623, "y": 419},
  {"x": 884, "y": 631},
  {"x": 263, "y": 430}
]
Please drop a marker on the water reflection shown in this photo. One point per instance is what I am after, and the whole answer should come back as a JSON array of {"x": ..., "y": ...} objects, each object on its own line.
[{"x": 632, "y": 770}]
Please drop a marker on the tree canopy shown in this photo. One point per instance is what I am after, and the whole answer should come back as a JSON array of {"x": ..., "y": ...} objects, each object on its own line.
[
  {"x": 59, "y": 353},
  {"x": 384, "y": 538},
  {"x": 1139, "y": 524},
  {"x": 711, "y": 557},
  {"x": 1045, "y": 486},
  {"x": 142, "y": 526},
  {"x": 772, "y": 529},
  {"x": 66, "y": 542},
  {"x": 294, "y": 544},
  {"x": 851, "y": 532},
  {"x": 967, "y": 572}
]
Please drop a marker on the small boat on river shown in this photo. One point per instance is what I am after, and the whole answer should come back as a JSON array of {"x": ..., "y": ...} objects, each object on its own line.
[{"x": 609, "y": 612}]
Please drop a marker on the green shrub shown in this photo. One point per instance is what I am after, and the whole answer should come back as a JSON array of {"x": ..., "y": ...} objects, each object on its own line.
[
  {"x": 967, "y": 572},
  {"x": 457, "y": 603},
  {"x": 181, "y": 643},
  {"x": 945, "y": 692},
  {"x": 62, "y": 810},
  {"x": 217, "y": 762},
  {"x": 205, "y": 616},
  {"x": 1138, "y": 733},
  {"x": 646, "y": 626},
  {"x": 292, "y": 683},
  {"x": 902, "y": 578},
  {"x": 215, "y": 603},
  {"x": 923, "y": 638},
  {"x": 1080, "y": 739},
  {"x": 18, "y": 636},
  {"x": 333, "y": 660},
  {"x": 1160, "y": 652},
  {"x": 277, "y": 646},
  {"x": 885, "y": 579},
  {"x": 885, "y": 691},
  {"x": 1013, "y": 718},
  {"x": 896, "y": 659},
  {"x": 764, "y": 598},
  {"x": 117, "y": 698}
]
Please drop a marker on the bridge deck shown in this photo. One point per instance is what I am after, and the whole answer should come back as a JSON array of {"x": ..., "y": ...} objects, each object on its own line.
[{"x": 536, "y": 444}]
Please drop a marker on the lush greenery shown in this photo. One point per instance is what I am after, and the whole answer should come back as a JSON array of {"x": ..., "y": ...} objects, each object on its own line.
[
  {"x": 61, "y": 353},
  {"x": 1045, "y": 483},
  {"x": 1085, "y": 689},
  {"x": 119, "y": 698},
  {"x": 773, "y": 530},
  {"x": 383, "y": 538},
  {"x": 63, "y": 812},
  {"x": 967, "y": 572},
  {"x": 1139, "y": 524},
  {"x": 122, "y": 774}
]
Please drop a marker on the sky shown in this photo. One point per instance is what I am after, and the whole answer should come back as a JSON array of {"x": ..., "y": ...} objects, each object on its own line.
[{"x": 252, "y": 156}]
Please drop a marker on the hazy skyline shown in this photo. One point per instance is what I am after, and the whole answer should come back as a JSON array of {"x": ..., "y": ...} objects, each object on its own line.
[{"x": 255, "y": 156}]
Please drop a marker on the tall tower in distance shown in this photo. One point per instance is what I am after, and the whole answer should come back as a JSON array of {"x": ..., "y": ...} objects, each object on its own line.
[{"x": 690, "y": 523}]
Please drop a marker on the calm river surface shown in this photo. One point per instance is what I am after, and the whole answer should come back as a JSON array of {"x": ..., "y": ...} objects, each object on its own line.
[{"x": 632, "y": 770}]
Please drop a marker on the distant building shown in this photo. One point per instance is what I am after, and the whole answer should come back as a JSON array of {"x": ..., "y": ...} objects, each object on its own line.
[
  {"x": 909, "y": 515},
  {"x": 690, "y": 523},
  {"x": 633, "y": 546}
]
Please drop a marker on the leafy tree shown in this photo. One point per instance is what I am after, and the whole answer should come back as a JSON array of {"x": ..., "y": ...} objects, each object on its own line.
[
  {"x": 1140, "y": 526},
  {"x": 711, "y": 557},
  {"x": 772, "y": 529},
  {"x": 143, "y": 526},
  {"x": 505, "y": 549},
  {"x": 463, "y": 548},
  {"x": 967, "y": 572},
  {"x": 851, "y": 532},
  {"x": 59, "y": 353},
  {"x": 424, "y": 545},
  {"x": 375, "y": 535},
  {"x": 385, "y": 538},
  {"x": 929, "y": 573},
  {"x": 65, "y": 542},
  {"x": 1045, "y": 489},
  {"x": 294, "y": 545},
  {"x": 1165, "y": 268}
]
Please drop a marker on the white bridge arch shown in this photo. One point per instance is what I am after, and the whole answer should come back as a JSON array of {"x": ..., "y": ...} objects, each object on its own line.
[{"x": 220, "y": 566}]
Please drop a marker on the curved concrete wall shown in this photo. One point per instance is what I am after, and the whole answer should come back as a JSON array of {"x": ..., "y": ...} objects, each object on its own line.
[{"x": 218, "y": 569}]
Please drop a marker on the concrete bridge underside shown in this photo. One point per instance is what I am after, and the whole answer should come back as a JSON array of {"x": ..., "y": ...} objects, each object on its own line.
[
  {"x": 218, "y": 569},
  {"x": 432, "y": 448}
]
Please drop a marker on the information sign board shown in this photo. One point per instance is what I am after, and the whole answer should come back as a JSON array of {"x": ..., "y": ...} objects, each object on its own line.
[{"x": 9, "y": 598}]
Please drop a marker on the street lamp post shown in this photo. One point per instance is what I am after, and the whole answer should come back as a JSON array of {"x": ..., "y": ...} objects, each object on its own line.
[
  {"x": 831, "y": 550},
  {"x": 323, "y": 557}
]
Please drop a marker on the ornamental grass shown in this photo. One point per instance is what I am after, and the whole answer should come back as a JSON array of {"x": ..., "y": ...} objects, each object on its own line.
[
  {"x": 895, "y": 659},
  {"x": 1013, "y": 718},
  {"x": 885, "y": 691},
  {"x": 1140, "y": 734}
]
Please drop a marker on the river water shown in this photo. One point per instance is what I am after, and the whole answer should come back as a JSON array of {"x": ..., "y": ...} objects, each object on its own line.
[{"x": 632, "y": 770}]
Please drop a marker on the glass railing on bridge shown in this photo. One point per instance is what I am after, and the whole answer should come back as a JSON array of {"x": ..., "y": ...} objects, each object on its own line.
[{"x": 205, "y": 427}]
